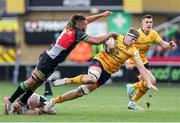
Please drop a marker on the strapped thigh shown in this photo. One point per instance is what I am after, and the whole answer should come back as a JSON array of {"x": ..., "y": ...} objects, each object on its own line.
[
  {"x": 95, "y": 71},
  {"x": 36, "y": 76}
]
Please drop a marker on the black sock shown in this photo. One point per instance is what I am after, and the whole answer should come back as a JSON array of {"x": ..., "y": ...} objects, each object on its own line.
[
  {"x": 26, "y": 96},
  {"x": 19, "y": 91},
  {"x": 48, "y": 90}
]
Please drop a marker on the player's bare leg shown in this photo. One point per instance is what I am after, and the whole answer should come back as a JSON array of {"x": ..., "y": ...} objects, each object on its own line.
[
  {"x": 70, "y": 95},
  {"x": 90, "y": 78},
  {"x": 94, "y": 73}
]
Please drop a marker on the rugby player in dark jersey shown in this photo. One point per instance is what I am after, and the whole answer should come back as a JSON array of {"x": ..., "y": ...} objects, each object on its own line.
[{"x": 73, "y": 33}]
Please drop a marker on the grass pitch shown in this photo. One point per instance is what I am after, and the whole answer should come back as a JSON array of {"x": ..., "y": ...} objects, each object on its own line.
[{"x": 106, "y": 104}]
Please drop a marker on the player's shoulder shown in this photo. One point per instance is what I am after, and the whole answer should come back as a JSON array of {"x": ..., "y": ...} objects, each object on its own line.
[
  {"x": 153, "y": 31},
  {"x": 73, "y": 30}
]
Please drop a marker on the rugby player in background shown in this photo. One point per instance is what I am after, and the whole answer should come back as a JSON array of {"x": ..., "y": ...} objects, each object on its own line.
[{"x": 147, "y": 37}]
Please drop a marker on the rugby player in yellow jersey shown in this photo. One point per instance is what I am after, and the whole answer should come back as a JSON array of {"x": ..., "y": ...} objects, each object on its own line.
[
  {"x": 147, "y": 37},
  {"x": 102, "y": 66}
]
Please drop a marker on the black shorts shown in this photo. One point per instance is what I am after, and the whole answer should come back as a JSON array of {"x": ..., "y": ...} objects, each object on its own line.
[
  {"x": 136, "y": 71},
  {"x": 46, "y": 65},
  {"x": 104, "y": 75}
]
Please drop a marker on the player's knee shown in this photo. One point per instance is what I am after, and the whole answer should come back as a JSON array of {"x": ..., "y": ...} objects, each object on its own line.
[
  {"x": 84, "y": 90},
  {"x": 90, "y": 79},
  {"x": 77, "y": 93}
]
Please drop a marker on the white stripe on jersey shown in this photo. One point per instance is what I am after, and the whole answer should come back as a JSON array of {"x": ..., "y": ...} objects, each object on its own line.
[{"x": 55, "y": 51}]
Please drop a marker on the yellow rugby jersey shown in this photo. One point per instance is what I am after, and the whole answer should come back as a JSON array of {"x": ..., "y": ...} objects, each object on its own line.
[
  {"x": 112, "y": 60},
  {"x": 144, "y": 43}
]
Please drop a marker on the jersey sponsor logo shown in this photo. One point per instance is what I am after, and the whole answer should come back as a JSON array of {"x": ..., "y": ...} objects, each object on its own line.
[{"x": 136, "y": 54}]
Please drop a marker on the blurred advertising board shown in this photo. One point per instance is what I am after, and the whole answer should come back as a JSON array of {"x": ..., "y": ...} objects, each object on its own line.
[
  {"x": 47, "y": 31},
  {"x": 162, "y": 72},
  {"x": 166, "y": 68},
  {"x": 43, "y": 31},
  {"x": 44, "y": 5},
  {"x": 166, "y": 73}
]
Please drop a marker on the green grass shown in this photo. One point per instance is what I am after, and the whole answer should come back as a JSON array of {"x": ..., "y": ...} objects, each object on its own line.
[{"x": 106, "y": 104}]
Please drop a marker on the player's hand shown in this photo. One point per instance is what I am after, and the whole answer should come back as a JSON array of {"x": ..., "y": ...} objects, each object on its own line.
[
  {"x": 106, "y": 13},
  {"x": 114, "y": 35},
  {"x": 110, "y": 44},
  {"x": 151, "y": 86},
  {"x": 172, "y": 44}
]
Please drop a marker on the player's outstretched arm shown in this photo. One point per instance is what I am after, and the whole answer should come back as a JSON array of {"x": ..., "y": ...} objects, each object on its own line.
[
  {"x": 101, "y": 38},
  {"x": 166, "y": 45},
  {"x": 145, "y": 74},
  {"x": 97, "y": 16}
]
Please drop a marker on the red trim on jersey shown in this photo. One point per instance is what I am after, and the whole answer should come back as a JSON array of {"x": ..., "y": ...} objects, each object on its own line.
[{"x": 67, "y": 38}]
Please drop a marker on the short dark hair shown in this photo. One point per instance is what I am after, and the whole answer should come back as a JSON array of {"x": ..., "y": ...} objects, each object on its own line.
[
  {"x": 134, "y": 31},
  {"x": 74, "y": 19},
  {"x": 147, "y": 16},
  {"x": 77, "y": 18}
]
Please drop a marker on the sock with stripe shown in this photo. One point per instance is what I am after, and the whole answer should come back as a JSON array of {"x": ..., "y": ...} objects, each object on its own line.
[
  {"x": 19, "y": 91},
  {"x": 26, "y": 96},
  {"x": 58, "y": 99}
]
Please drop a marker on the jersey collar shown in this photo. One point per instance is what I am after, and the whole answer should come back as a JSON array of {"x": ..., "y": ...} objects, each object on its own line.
[{"x": 144, "y": 32}]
